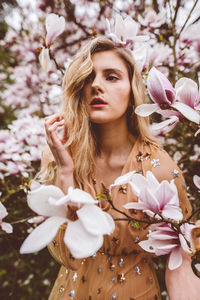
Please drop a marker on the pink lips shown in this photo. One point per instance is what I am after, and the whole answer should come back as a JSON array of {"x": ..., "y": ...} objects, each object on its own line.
[{"x": 97, "y": 102}]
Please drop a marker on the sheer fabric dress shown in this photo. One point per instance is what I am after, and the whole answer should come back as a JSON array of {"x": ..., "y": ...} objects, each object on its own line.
[{"x": 121, "y": 269}]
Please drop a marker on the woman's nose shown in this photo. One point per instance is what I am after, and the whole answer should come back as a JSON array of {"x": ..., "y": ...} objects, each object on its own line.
[{"x": 97, "y": 84}]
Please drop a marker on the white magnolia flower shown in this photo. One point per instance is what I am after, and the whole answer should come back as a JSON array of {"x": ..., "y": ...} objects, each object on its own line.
[
  {"x": 83, "y": 236},
  {"x": 55, "y": 25},
  {"x": 45, "y": 60},
  {"x": 124, "y": 30}
]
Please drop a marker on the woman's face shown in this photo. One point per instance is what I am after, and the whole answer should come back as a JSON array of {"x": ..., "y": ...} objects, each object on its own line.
[{"x": 107, "y": 90}]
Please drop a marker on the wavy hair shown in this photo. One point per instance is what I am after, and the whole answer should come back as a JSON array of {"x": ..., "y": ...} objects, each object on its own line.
[{"x": 82, "y": 142}]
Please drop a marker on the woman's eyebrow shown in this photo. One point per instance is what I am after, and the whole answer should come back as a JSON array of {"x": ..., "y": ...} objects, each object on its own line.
[{"x": 114, "y": 70}]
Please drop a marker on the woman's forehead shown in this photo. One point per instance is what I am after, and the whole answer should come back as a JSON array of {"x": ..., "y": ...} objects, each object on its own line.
[{"x": 109, "y": 59}]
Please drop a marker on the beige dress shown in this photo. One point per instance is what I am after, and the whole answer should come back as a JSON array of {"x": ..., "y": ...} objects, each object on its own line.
[{"x": 121, "y": 269}]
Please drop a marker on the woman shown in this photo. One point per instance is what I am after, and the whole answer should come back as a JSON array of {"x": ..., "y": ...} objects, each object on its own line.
[{"x": 104, "y": 139}]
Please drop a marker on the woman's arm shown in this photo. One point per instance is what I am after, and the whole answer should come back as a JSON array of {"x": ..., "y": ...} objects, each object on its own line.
[
  {"x": 182, "y": 283},
  {"x": 64, "y": 179}
]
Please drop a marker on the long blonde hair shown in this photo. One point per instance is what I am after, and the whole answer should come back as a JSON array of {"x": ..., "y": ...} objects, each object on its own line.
[{"x": 82, "y": 142}]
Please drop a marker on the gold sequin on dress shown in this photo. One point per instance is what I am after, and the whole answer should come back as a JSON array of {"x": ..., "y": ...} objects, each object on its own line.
[{"x": 121, "y": 269}]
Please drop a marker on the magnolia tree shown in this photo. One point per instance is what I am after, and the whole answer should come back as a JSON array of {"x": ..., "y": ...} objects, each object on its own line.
[{"x": 165, "y": 41}]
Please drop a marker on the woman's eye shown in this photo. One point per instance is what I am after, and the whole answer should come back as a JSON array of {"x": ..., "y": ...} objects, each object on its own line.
[{"x": 112, "y": 78}]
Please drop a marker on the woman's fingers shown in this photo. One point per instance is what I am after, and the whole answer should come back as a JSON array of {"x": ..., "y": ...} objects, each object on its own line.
[
  {"x": 51, "y": 119},
  {"x": 52, "y": 137}
]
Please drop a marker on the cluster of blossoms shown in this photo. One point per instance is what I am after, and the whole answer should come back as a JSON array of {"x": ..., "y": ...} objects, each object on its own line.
[
  {"x": 21, "y": 145},
  {"x": 87, "y": 223}
]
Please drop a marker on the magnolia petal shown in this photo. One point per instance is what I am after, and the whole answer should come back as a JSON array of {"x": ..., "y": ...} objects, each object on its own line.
[
  {"x": 197, "y": 132},
  {"x": 116, "y": 39},
  {"x": 163, "y": 235},
  {"x": 145, "y": 110},
  {"x": 134, "y": 205},
  {"x": 163, "y": 124},
  {"x": 147, "y": 245},
  {"x": 172, "y": 212},
  {"x": 108, "y": 25},
  {"x": 196, "y": 180},
  {"x": 45, "y": 60},
  {"x": 184, "y": 244},
  {"x": 6, "y": 227},
  {"x": 80, "y": 242},
  {"x": 165, "y": 249},
  {"x": 119, "y": 27},
  {"x": 138, "y": 38},
  {"x": 94, "y": 220},
  {"x": 110, "y": 221},
  {"x": 131, "y": 27},
  {"x": 151, "y": 245},
  {"x": 152, "y": 180},
  {"x": 3, "y": 211},
  {"x": 38, "y": 201},
  {"x": 149, "y": 200},
  {"x": 58, "y": 202},
  {"x": 175, "y": 258},
  {"x": 164, "y": 193},
  {"x": 80, "y": 196},
  {"x": 188, "y": 112},
  {"x": 124, "y": 179},
  {"x": 187, "y": 91},
  {"x": 160, "y": 88},
  {"x": 42, "y": 235},
  {"x": 55, "y": 25},
  {"x": 137, "y": 183}
]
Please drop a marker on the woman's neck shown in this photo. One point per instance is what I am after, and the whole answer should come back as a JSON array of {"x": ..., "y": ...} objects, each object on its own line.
[{"x": 114, "y": 139}]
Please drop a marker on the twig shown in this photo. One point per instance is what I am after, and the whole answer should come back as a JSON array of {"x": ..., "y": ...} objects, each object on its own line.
[
  {"x": 192, "y": 215},
  {"x": 188, "y": 17}
]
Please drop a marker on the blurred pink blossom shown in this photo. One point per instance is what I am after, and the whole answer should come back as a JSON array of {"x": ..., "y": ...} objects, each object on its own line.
[
  {"x": 152, "y": 19},
  {"x": 4, "y": 225}
]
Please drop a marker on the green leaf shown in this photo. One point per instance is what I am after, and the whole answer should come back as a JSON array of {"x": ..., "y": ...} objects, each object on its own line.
[
  {"x": 135, "y": 224},
  {"x": 101, "y": 196}
]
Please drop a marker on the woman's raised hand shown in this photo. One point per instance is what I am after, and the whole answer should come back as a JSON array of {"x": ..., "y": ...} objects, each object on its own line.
[{"x": 62, "y": 157}]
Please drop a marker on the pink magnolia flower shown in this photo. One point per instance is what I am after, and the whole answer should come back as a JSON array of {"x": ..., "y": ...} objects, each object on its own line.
[
  {"x": 159, "y": 200},
  {"x": 45, "y": 60},
  {"x": 184, "y": 98},
  {"x": 161, "y": 92},
  {"x": 84, "y": 234},
  {"x": 55, "y": 25},
  {"x": 162, "y": 240},
  {"x": 124, "y": 30},
  {"x": 4, "y": 225}
]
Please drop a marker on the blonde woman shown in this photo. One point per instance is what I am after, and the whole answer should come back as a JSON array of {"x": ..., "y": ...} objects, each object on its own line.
[{"x": 104, "y": 139}]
